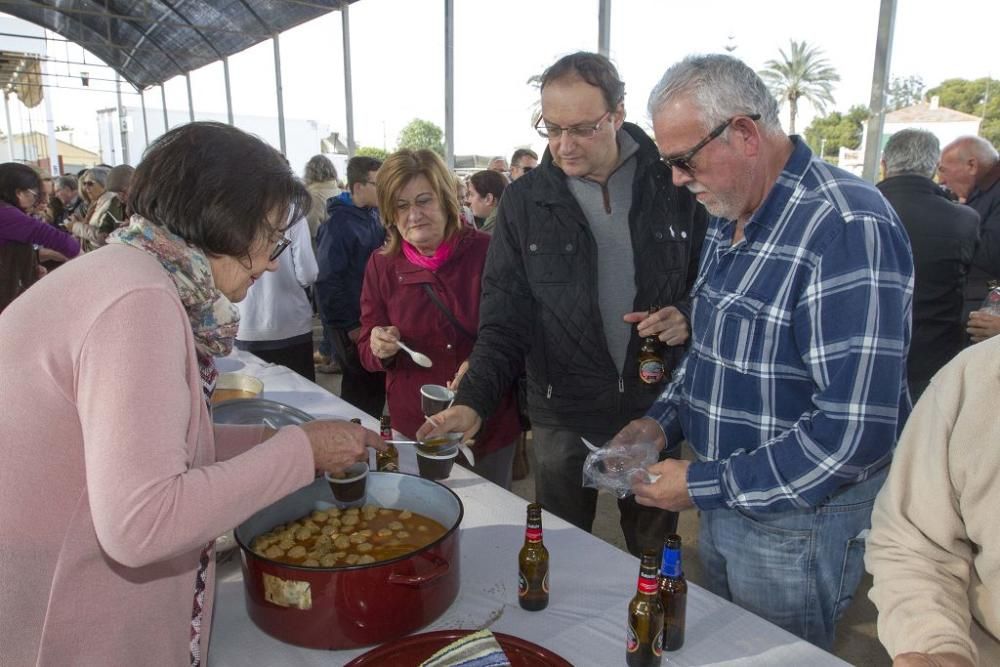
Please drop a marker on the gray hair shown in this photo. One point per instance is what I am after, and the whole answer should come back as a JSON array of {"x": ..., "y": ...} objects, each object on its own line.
[
  {"x": 911, "y": 151},
  {"x": 69, "y": 182},
  {"x": 99, "y": 174},
  {"x": 971, "y": 146},
  {"x": 119, "y": 178},
  {"x": 721, "y": 86},
  {"x": 319, "y": 169}
]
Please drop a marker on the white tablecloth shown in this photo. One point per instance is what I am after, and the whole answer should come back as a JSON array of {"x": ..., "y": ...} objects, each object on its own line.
[{"x": 591, "y": 581}]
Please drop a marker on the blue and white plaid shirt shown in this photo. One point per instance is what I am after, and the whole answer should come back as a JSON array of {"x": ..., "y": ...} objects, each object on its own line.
[{"x": 795, "y": 383}]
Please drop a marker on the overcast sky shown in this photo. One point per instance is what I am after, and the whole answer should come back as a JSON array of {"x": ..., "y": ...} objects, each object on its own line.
[{"x": 398, "y": 59}]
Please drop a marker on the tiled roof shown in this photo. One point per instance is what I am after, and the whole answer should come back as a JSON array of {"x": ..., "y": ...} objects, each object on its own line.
[{"x": 925, "y": 113}]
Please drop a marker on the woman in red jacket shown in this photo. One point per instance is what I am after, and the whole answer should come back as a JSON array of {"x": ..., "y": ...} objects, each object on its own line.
[{"x": 428, "y": 251}]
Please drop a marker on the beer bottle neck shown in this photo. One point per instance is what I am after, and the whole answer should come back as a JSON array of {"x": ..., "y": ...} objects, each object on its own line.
[
  {"x": 672, "y": 563},
  {"x": 649, "y": 582},
  {"x": 533, "y": 533}
]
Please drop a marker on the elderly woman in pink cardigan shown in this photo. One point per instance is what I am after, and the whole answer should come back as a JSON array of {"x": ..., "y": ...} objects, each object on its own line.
[{"x": 113, "y": 481}]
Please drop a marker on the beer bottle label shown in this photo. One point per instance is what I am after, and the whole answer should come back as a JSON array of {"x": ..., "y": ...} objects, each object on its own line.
[
  {"x": 522, "y": 585},
  {"x": 545, "y": 582},
  {"x": 651, "y": 371},
  {"x": 658, "y": 644},
  {"x": 631, "y": 639},
  {"x": 648, "y": 585},
  {"x": 533, "y": 534},
  {"x": 671, "y": 564}
]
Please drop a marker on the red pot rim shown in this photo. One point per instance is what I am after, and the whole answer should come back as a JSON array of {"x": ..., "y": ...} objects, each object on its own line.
[{"x": 248, "y": 552}]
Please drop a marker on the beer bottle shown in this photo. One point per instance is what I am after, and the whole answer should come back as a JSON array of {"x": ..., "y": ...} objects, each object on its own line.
[
  {"x": 644, "y": 635},
  {"x": 387, "y": 461},
  {"x": 533, "y": 564},
  {"x": 673, "y": 594},
  {"x": 651, "y": 369}
]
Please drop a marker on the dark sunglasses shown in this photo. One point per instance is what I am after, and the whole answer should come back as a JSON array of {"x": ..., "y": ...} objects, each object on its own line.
[
  {"x": 683, "y": 161},
  {"x": 279, "y": 248}
]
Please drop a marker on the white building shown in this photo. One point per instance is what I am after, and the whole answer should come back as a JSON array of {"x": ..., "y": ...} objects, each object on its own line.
[{"x": 944, "y": 123}]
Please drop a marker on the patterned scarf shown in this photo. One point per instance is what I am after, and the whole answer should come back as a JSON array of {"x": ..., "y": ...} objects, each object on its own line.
[{"x": 214, "y": 321}]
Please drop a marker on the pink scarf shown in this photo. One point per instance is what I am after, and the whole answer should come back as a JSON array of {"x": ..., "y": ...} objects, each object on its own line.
[{"x": 432, "y": 263}]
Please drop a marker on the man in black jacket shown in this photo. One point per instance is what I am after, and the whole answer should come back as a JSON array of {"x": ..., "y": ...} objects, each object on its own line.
[
  {"x": 585, "y": 245},
  {"x": 344, "y": 242},
  {"x": 943, "y": 237},
  {"x": 970, "y": 167}
]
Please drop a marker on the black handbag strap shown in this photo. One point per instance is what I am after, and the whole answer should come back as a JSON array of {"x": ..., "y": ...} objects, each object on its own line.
[{"x": 447, "y": 313}]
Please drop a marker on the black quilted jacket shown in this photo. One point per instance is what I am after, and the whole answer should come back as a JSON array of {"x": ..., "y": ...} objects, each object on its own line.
[{"x": 539, "y": 301}]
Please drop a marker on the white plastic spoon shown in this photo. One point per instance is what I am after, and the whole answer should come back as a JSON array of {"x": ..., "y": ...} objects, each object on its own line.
[{"x": 419, "y": 358}]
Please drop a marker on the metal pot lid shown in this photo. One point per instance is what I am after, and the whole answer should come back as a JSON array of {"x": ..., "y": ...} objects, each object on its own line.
[{"x": 252, "y": 411}]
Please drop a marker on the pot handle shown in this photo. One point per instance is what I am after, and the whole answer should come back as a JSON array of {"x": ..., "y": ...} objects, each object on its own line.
[{"x": 440, "y": 569}]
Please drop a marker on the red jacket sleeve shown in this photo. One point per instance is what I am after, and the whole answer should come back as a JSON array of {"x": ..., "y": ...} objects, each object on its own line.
[{"x": 374, "y": 313}]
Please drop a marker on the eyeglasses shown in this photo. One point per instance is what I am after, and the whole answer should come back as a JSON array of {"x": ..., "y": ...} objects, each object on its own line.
[
  {"x": 683, "y": 161},
  {"x": 577, "y": 131},
  {"x": 525, "y": 170},
  {"x": 279, "y": 248},
  {"x": 34, "y": 193},
  {"x": 88, "y": 184}
]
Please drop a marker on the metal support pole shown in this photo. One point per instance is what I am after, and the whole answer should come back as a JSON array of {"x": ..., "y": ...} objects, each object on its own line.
[
  {"x": 880, "y": 86},
  {"x": 281, "y": 95},
  {"x": 449, "y": 83},
  {"x": 345, "y": 29},
  {"x": 229, "y": 92},
  {"x": 166, "y": 119},
  {"x": 10, "y": 130},
  {"x": 604, "y": 27},
  {"x": 187, "y": 77},
  {"x": 50, "y": 128},
  {"x": 121, "y": 119},
  {"x": 145, "y": 123}
]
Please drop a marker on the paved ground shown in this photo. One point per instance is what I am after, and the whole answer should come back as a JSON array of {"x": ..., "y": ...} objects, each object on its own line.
[{"x": 856, "y": 635}]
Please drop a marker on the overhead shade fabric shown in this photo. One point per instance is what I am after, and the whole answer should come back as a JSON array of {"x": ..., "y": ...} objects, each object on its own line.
[
  {"x": 150, "y": 41},
  {"x": 22, "y": 74}
]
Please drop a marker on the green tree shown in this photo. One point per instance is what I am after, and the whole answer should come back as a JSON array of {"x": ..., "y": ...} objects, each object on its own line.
[
  {"x": 838, "y": 129},
  {"x": 803, "y": 72},
  {"x": 372, "y": 151},
  {"x": 905, "y": 91},
  {"x": 979, "y": 98},
  {"x": 422, "y": 134}
]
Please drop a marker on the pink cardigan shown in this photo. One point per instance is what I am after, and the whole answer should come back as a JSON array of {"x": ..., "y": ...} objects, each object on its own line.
[{"x": 111, "y": 477}]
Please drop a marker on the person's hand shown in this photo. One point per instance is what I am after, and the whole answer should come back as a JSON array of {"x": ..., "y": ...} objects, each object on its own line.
[
  {"x": 982, "y": 325},
  {"x": 384, "y": 342},
  {"x": 668, "y": 324},
  {"x": 40, "y": 271},
  {"x": 338, "y": 444},
  {"x": 456, "y": 419},
  {"x": 48, "y": 255},
  {"x": 670, "y": 491},
  {"x": 931, "y": 660},
  {"x": 459, "y": 374},
  {"x": 645, "y": 429}
]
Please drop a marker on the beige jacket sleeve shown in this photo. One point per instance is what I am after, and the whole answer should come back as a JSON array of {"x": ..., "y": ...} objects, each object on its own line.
[{"x": 918, "y": 551}]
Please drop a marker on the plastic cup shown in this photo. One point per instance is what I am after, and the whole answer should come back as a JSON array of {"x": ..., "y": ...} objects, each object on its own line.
[
  {"x": 350, "y": 489},
  {"x": 436, "y": 464},
  {"x": 434, "y": 398}
]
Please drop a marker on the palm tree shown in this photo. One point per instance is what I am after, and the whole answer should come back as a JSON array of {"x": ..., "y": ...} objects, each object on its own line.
[{"x": 803, "y": 72}]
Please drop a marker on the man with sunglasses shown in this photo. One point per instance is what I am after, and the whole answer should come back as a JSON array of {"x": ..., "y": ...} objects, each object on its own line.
[
  {"x": 521, "y": 162},
  {"x": 585, "y": 245},
  {"x": 793, "y": 391}
]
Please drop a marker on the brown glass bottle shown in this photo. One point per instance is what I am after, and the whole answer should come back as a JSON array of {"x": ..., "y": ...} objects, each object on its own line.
[
  {"x": 644, "y": 634},
  {"x": 651, "y": 370},
  {"x": 673, "y": 594},
  {"x": 533, "y": 564},
  {"x": 387, "y": 461}
]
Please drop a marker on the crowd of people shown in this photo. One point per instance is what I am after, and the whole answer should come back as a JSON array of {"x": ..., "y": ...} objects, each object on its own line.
[{"x": 799, "y": 313}]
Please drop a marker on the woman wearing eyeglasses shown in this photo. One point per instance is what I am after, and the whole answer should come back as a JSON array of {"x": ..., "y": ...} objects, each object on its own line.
[
  {"x": 117, "y": 482},
  {"x": 423, "y": 288},
  {"x": 93, "y": 230},
  {"x": 20, "y": 188}
]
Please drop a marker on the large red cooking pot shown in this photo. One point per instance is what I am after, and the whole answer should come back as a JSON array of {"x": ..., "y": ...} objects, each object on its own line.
[{"x": 359, "y": 605}]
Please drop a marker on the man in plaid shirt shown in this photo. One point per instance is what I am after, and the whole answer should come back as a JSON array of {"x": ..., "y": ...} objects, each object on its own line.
[{"x": 794, "y": 390}]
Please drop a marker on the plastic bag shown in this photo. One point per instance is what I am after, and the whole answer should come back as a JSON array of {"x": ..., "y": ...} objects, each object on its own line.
[{"x": 615, "y": 467}]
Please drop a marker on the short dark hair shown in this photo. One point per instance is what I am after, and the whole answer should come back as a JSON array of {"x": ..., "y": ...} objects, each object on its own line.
[
  {"x": 69, "y": 182},
  {"x": 594, "y": 69},
  {"x": 15, "y": 176},
  {"x": 358, "y": 168},
  {"x": 488, "y": 182},
  {"x": 215, "y": 186},
  {"x": 520, "y": 153}
]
